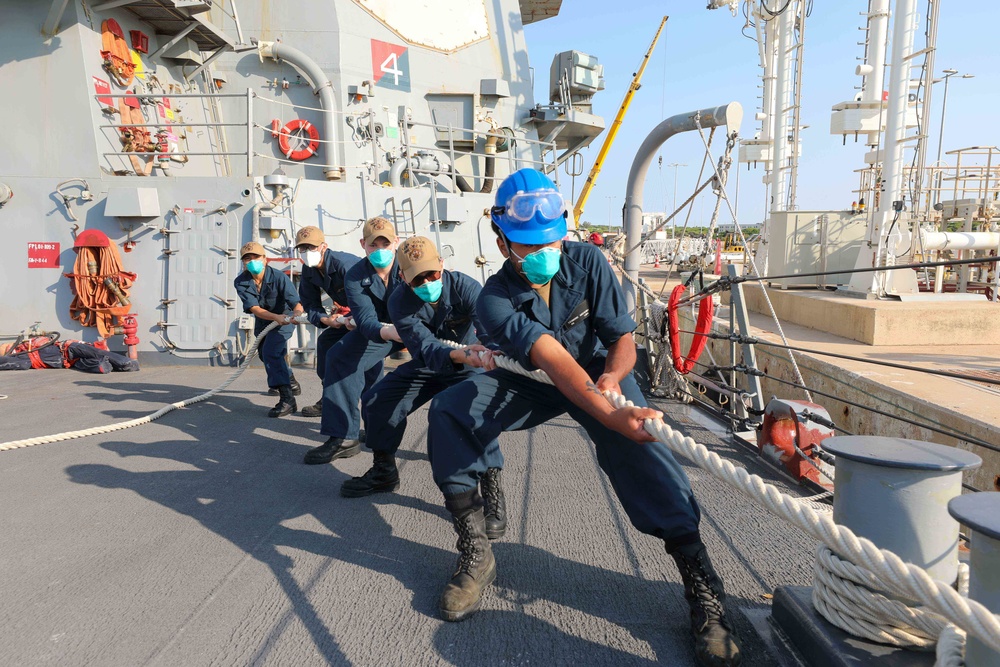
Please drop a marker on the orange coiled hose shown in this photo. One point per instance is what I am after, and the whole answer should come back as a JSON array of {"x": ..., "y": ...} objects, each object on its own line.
[{"x": 97, "y": 276}]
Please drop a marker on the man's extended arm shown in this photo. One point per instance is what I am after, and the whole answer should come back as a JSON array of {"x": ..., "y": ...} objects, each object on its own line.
[
  {"x": 620, "y": 362},
  {"x": 574, "y": 383}
]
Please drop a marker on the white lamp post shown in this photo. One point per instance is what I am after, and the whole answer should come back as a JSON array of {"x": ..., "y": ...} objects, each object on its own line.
[
  {"x": 948, "y": 73},
  {"x": 673, "y": 206}
]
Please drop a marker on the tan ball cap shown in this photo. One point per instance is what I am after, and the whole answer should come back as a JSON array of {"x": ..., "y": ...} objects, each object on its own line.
[
  {"x": 376, "y": 227},
  {"x": 416, "y": 255},
  {"x": 309, "y": 236},
  {"x": 251, "y": 248}
]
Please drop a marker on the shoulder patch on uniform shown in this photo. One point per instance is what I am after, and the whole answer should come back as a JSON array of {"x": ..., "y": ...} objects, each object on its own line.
[{"x": 579, "y": 314}]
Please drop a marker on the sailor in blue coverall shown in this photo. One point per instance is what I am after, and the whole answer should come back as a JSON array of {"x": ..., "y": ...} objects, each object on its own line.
[
  {"x": 355, "y": 362},
  {"x": 434, "y": 305},
  {"x": 557, "y": 306},
  {"x": 322, "y": 271},
  {"x": 270, "y": 296}
]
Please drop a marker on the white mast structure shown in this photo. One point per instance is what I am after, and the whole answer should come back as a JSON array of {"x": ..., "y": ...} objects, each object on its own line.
[
  {"x": 780, "y": 31},
  {"x": 888, "y": 227}
]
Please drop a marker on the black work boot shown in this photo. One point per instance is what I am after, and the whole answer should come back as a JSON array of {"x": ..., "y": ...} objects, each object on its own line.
[
  {"x": 315, "y": 410},
  {"x": 495, "y": 509},
  {"x": 382, "y": 477},
  {"x": 294, "y": 384},
  {"x": 286, "y": 404},
  {"x": 714, "y": 641},
  {"x": 476, "y": 568},
  {"x": 272, "y": 391},
  {"x": 333, "y": 448},
  {"x": 401, "y": 355}
]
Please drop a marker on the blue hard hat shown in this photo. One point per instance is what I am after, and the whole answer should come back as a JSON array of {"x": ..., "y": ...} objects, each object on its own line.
[{"x": 529, "y": 208}]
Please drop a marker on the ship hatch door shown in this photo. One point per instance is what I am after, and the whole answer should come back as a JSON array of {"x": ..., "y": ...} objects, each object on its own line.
[{"x": 202, "y": 301}]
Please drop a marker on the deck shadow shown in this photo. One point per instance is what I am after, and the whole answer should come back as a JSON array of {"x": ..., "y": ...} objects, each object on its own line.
[{"x": 274, "y": 488}]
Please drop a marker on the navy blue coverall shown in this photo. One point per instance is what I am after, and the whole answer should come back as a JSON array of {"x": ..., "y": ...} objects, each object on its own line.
[
  {"x": 386, "y": 406},
  {"x": 586, "y": 313},
  {"x": 354, "y": 364},
  {"x": 311, "y": 287},
  {"x": 276, "y": 295}
]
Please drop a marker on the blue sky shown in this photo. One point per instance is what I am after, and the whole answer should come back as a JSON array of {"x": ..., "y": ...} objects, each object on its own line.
[{"x": 702, "y": 60}]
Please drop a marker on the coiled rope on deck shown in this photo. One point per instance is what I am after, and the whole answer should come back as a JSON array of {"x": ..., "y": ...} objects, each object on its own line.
[{"x": 110, "y": 428}]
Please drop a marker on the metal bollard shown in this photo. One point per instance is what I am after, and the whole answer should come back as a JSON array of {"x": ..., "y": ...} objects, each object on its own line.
[
  {"x": 981, "y": 513},
  {"x": 895, "y": 492}
]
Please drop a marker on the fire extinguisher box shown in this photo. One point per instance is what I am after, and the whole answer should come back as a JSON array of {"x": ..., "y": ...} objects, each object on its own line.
[{"x": 140, "y": 42}]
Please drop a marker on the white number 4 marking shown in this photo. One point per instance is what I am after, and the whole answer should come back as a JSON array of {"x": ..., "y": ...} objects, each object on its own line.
[{"x": 388, "y": 68}]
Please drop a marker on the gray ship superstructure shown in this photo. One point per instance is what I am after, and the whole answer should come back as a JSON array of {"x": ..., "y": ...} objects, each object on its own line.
[{"x": 258, "y": 118}]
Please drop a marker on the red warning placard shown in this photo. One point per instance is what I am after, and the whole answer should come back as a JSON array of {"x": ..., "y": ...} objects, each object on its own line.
[
  {"x": 102, "y": 87},
  {"x": 43, "y": 255}
]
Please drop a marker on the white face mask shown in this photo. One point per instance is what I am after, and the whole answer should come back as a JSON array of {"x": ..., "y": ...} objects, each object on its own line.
[{"x": 311, "y": 257}]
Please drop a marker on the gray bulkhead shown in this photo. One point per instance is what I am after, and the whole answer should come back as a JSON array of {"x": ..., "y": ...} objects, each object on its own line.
[{"x": 444, "y": 64}]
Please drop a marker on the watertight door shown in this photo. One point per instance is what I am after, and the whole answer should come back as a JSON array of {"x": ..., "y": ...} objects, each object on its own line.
[{"x": 200, "y": 280}]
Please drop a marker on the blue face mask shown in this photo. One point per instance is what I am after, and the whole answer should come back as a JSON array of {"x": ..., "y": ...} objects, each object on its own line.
[
  {"x": 381, "y": 258},
  {"x": 429, "y": 292},
  {"x": 540, "y": 266},
  {"x": 255, "y": 266}
]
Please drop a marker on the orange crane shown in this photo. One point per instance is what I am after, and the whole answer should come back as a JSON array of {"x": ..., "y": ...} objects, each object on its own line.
[{"x": 613, "y": 130}]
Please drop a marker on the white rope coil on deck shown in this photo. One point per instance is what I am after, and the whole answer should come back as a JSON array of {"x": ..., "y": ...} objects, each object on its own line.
[
  {"x": 97, "y": 430},
  {"x": 848, "y": 597}
]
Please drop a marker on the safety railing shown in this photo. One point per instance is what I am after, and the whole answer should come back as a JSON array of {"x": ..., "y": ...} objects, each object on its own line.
[
  {"x": 539, "y": 155},
  {"x": 439, "y": 158},
  {"x": 163, "y": 152}
]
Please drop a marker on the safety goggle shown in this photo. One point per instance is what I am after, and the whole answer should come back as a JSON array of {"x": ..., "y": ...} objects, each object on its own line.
[{"x": 523, "y": 206}]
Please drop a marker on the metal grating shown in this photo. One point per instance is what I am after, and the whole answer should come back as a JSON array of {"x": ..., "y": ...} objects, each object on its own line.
[
  {"x": 538, "y": 10},
  {"x": 168, "y": 20}
]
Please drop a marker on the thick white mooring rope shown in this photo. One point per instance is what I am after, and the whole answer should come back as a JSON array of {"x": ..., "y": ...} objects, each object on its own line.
[
  {"x": 879, "y": 568},
  {"x": 110, "y": 428},
  {"x": 884, "y": 569},
  {"x": 852, "y": 602},
  {"x": 848, "y": 597},
  {"x": 951, "y": 641}
]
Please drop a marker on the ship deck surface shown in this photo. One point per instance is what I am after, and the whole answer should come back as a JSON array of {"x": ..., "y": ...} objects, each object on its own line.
[{"x": 202, "y": 539}]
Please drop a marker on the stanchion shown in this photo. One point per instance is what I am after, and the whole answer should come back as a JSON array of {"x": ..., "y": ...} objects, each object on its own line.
[{"x": 981, "y": 513}]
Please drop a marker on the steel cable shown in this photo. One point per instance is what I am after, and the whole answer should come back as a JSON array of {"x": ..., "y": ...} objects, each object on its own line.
[
  {"x": 757, "y": 341},
  {"x": 964, "y": 437}
]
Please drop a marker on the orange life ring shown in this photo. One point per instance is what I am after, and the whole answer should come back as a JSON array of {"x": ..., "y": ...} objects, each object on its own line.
[
  {"x": 302, "y": 153},
  {"x": 706, "y": 310}
]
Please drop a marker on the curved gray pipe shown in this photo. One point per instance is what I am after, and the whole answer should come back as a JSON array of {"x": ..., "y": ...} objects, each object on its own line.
[
  {"x": 730, "y": 115},
  {"x": 396, "y": 172},
  {"x": 322, "y": 87},
  {"x": 426, "y": 163}
]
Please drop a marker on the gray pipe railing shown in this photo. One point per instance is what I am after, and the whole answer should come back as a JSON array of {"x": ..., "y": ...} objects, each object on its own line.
[{"x": 730, "y": 115}]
